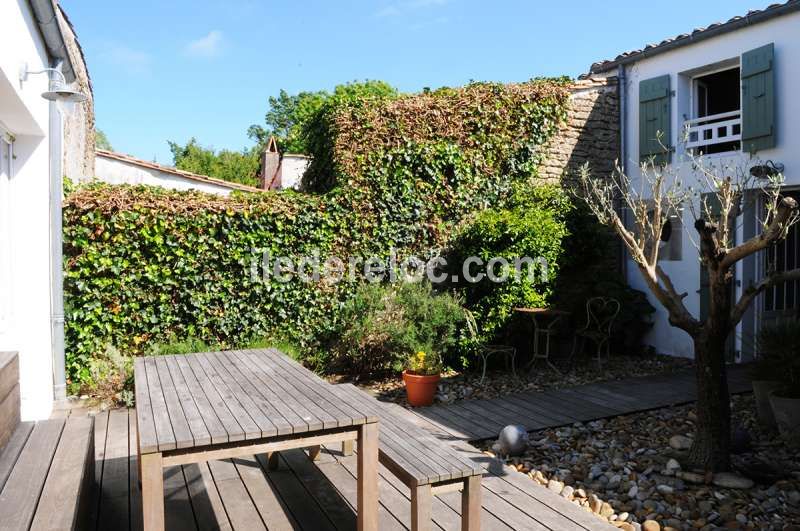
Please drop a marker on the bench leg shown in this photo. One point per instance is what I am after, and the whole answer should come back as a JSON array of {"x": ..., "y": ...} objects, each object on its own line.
[
  {"x": 421, "y": 499},
  {"x": 152, "y": 492},
  {"x": 273, "y": 459},
  {"x": 347, "y": 448},
  {"x": 471, "y": 504},
  {"x": 313, "y": 452}
]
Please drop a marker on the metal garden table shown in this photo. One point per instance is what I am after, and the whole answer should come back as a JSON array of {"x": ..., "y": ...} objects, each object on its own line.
[
  {"x": 543, "y": 331},
  {"x": 218, "y": 405}
]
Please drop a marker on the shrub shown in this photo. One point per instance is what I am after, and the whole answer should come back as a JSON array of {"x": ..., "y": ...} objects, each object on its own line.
[
  {"x": 591, "y": 270},
  {"x": 111, "y": 377},
  {"x": 779, "y": 353},
  {"x": 382, "y": 325},
  {"x": 531, "y": 225}
]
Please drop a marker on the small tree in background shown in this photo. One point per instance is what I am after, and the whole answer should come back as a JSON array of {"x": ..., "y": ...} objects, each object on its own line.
[
  {"x": 228, "y": 165},
  {"x": 716, "y": 212},
  {"x": 101, "y": 141},
  {"x": 289, "y": 115}
]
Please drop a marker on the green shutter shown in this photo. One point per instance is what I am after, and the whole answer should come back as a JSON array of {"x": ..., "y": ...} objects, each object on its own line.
[
  {"x": 758, "y": 99},
  {"x": 655, "y": 119}
]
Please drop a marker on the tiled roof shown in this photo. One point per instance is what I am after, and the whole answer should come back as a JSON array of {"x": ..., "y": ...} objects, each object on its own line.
[
  {"x": 717, "y": 28},
  {"x": 175, "y": 171}
]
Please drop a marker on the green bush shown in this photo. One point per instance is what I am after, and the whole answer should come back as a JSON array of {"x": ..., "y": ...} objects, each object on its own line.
[
  {"x": 779, "y": 355},
  {"x": 533, "y": 225},
  {"x": 382, "y": 325}
]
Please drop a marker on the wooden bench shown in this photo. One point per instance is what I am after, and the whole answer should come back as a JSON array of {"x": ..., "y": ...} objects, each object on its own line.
[
  {"x": 426, "y": 465},
  {"x": 46, "y": 467}
]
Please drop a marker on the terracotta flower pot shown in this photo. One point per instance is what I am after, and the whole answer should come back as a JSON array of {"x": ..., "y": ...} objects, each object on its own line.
[
  {"x": 761, "y": 391},
  {"x": 787, "y": 415},
  {"x": 420, "y": 388}
]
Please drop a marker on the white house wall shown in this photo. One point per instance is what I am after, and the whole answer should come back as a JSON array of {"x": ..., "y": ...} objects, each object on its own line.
[
  {"x": 783, "y": 32},
  {"x": 292, "y": 169},
  {"x": 114, "y": 171},
  {"x": 25, "y": 114}
]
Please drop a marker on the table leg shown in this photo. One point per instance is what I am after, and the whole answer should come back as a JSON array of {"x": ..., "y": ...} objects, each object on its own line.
[
  {"x": 313, "y": 452},
  {"x": 152, "y": 478},
  {"x": 368, "y": 477},
  {"x": 347, "y": 447},
  {"x": 532, "y": 363},
  {"x": 421, "y": 499},
  {"x": 471, "y": 504}
]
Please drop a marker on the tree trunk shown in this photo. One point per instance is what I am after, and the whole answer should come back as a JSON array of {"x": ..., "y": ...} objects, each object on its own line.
[{"x": 711, "y": 448}]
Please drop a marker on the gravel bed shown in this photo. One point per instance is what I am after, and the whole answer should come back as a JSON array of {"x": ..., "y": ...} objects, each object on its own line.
[
  {"x": 627, "y": 470},
  {"x": 456, "y": 386}
]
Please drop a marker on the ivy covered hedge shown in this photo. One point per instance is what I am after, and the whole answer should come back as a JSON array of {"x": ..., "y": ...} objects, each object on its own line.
[{"x": 145, "y": 265}]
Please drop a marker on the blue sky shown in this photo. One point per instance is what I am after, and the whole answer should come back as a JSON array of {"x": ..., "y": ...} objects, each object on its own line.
[{"x": 172, "y": 69}]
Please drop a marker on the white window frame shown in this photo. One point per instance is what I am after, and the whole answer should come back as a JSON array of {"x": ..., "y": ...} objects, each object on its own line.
[
  {"x": 694, "y": 106},
  {"x": 6, "y": 174}
]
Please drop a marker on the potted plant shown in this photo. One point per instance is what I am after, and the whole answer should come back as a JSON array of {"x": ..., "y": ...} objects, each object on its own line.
[
  {"x": 780, "y": 343},
  {"x": 421, "y": 378}
]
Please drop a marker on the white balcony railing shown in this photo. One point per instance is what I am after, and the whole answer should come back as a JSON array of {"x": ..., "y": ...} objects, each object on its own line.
[{"x": 714, "y": 129}]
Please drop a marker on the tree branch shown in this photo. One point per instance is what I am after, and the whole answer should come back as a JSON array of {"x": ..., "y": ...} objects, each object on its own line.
[
  {"x": 679, "y": 316},
  {"x": 754, "y": 290},
  {"x": 784, "y": 217},
  {"x": 709, "y": 243}
]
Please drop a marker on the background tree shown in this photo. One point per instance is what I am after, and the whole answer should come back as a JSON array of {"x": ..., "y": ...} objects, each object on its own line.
[
  {"x": 288, "y": 115},
  {"x": 234, "y": 166},
  {"x": 101, "y": 140},
  {"x": 716, "y": 212}
]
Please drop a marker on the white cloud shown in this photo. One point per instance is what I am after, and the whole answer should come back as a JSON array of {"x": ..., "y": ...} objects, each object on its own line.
[
  {"x": 208, "y": 46},
  {"x": 133, "y": 61}
]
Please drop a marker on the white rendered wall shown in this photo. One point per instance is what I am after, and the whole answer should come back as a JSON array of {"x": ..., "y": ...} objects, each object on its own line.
[
  {"x": 783, "y": 32},
  {"x": 292, "y": 169},
  {"x": 114, "y": 171},
  {"x": 25, "y": 114}
]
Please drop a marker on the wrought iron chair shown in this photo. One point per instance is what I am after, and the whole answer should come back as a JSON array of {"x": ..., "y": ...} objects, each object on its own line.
[
  {"x": 485, "y": 350},
  {"x": 600, "y": 315}
]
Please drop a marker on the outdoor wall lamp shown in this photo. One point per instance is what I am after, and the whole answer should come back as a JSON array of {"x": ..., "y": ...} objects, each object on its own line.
[
  {"x": 767, "y": 170},
  {"x": 58, "y": 89}
]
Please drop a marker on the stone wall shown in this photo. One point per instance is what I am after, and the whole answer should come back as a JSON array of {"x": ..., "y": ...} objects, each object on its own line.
[
  {"x": 78, "y": 146},
  {"x": 590, "y": 134}
]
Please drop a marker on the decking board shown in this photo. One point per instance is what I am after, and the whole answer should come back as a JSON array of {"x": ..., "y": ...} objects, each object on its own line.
[
  {"x": 243, "y": 494},
  {"x": 562, "y": 407}
]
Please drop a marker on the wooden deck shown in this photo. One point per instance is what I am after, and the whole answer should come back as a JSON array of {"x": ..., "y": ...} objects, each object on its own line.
[
  {"x": 473, "y": 420},
  {"x": 241, "y": 494}
]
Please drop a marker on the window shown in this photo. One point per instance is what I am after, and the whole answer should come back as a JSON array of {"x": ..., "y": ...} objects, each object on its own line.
[
  {"x": 716, "y": 125},
  {"x": 6, "y": 159},
  {"x": 783, "y": 300}
]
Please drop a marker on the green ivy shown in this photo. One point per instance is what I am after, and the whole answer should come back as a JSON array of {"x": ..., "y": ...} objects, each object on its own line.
[{"x": 145, "y": 266}]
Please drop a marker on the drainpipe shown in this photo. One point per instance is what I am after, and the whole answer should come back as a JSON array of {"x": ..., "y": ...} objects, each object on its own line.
[
  {"x": 56, "y": 131},
  {"x": 47, "y": 20},
  {"x": 623, "y": 151}
]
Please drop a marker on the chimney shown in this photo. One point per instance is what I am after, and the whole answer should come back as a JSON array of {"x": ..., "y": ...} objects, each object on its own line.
[{"x": 270, "y": 166}]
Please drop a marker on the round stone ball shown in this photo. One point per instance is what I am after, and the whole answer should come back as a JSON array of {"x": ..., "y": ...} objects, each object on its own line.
[{"x": 513, "y": 440}]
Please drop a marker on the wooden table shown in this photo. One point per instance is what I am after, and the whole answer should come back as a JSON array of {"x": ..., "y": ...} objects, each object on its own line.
[
  {"x": 218, "y": 405},
  {"x": 540, "y": 331}
]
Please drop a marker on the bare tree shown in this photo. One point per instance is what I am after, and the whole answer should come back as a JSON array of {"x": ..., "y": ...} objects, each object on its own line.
[{"x": 662, "y": 191}]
